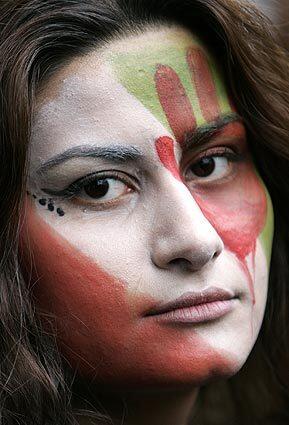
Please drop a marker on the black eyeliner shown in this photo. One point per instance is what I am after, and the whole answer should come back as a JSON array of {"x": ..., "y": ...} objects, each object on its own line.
[
  {"x": 75, "y": 188},
  {"x": 233, "y": 157}
]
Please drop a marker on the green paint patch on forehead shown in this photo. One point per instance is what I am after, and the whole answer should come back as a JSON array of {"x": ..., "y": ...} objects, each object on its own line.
[
  {"x": 221, "y": 90},
  {"x": 135, "y": 63}
]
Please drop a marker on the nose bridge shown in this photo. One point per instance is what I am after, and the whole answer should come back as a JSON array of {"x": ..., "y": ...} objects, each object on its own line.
[
  {"x": 178, "y": 207},
  {"x": 181, "y": 231}
]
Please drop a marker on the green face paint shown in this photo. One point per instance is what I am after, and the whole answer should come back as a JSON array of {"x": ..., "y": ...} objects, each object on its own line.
[
  {"x": 184, "y": 63},
  {"x": 178, "y": 81},
  {"x": 266, "y": 237}
]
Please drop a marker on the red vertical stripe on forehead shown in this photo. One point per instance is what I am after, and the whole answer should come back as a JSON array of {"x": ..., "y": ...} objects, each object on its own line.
[
  {"x": 175, "y": 102},
  {"x": 165, "y": 150},
  {"x": 204, "y": 83}
]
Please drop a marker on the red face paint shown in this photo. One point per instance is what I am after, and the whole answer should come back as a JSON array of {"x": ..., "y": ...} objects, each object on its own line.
[
  {"x": 204, "y": 83},
  {"x": 236, "y": 209},
  {"x": 175, "y": 102},
  {"x": 100, "y": 329},
  {"x": 165, "y": 150}
]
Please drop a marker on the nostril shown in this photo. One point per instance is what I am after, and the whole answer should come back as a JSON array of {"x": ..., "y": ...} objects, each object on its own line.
[
  {"x": 216, "y": 255},
  {"x": 181, "y": 263},
  {"x": 194, "y": 262},
  {"x": 176, "y": 261}
]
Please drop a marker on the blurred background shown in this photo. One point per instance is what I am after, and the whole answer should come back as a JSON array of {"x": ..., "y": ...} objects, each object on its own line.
[
  {"x": 270, "y": 7},
  {"x": 278, "y": 12}
]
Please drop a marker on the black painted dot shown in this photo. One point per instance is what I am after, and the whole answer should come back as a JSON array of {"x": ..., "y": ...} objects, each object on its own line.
[
  {"x": 42, "y": 202},
  {"x": 34, "y": 196},
  {"x": 60, "y": 212},
  {"x": 50, "y": 206}
]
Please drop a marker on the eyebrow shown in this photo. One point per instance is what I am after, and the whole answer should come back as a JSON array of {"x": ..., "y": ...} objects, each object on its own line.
[
  {"x": 204, "y": 133},
  {"x": 114, "y": 153},
  {"x": 122, "y": 154}
]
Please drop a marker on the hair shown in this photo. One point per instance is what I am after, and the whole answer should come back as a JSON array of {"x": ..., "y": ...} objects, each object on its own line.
[{"x": 37, "y": 37}]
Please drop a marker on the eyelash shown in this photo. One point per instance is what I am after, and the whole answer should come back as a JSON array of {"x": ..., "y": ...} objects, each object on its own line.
[
  {"x": 76, "y": 187},
  {"x": 219, "y": 152}
]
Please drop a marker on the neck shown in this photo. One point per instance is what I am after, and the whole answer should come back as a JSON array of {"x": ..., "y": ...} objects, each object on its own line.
[{"x": 154, "y": 408}]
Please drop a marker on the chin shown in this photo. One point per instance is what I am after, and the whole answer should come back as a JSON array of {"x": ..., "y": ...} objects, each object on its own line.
[{"x": 165, "y": 368}]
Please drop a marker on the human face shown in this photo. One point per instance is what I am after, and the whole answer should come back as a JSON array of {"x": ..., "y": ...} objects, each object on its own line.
[{"x": 141, "y": 191}]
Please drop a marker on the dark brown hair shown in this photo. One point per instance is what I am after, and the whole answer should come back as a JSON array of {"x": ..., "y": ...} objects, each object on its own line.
[{"x": 36, "y": 38}]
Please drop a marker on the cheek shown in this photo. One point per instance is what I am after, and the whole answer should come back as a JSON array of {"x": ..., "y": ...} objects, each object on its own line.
[
  {"x": 100, "y": 328},
  {"x": 236, "y": 209},
  {"x": 238, "y": 212}
]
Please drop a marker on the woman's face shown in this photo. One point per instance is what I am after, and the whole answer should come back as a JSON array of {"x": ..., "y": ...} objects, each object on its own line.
[{"x": 142, "y": 193}]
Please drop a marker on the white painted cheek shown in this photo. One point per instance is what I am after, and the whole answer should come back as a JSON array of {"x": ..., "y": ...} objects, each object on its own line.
[
  {"x": 238, "y": 331},
  {"x": 116, "y": 240}
]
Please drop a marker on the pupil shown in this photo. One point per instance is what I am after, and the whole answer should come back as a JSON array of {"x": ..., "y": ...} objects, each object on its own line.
[
  {"x": 204, "y": 167},
  {"x": 97, "y": 189}
]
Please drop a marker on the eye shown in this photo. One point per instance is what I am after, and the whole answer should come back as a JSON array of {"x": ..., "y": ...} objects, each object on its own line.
[
  {"x": 102, "y": 190},
  {"x": 97, "y": 189},
  {"x": 209, "y": 168}
]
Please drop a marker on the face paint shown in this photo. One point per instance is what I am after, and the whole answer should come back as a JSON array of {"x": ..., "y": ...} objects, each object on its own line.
[
  {"x": 240, "y": 221},
  {"x": 166, "y": 153},
  {"x": 49, "y": 203},
  {"x": 239, "y": 215},
  {"x": 204, "y": 83},
  {"x": 99, "y": 268},
  {"x": 104, "y": 334},
  {"x": 137, "y": 67},
  {"x": 175, "y": 102}
]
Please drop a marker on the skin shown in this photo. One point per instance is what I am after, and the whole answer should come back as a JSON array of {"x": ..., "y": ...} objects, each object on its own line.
[{"x": 99, "y": 267}]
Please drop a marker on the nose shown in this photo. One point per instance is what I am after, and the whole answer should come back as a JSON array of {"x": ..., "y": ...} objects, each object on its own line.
[{"x": 182, "y": 237}]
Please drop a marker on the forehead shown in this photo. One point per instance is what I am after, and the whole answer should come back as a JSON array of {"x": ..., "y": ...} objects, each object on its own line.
[
  {"x": 110, "y": 94},
  {"x": 135, "y": 61}
]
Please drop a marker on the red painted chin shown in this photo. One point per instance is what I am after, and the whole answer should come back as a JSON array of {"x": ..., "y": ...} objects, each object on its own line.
[{"x": 99, "y": 330}]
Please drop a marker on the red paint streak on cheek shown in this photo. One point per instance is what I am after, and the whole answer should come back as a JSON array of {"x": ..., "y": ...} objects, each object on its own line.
[
  {"x": 165, "y": 151},
  {"x": 240, "y": 225},
  {"x": 204, "y": 83},
  {"x": 236, "y": 210},
  {"x": 100, "y": 328},
  {"x": 175, "y": 102},
  {"x": 238, "y": 214}
]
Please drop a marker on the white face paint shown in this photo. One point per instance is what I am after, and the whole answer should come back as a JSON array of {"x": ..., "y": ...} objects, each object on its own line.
[{"x": 121, "y": 219}]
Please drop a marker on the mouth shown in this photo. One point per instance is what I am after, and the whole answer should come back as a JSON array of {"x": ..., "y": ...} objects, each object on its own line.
[{"x": 195, "y": 307}]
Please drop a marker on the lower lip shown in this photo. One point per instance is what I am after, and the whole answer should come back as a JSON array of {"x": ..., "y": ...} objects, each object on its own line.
[{"x": 198, "y": 313}]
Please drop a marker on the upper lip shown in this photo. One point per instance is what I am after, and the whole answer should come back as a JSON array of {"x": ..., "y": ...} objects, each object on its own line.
[{"x": 190, "y": 299}]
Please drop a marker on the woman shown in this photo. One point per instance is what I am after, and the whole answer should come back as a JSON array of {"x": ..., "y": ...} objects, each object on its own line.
[{"x": 137, "y": 233}]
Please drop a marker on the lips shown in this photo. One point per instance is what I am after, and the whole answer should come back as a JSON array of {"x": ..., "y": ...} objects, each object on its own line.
[{"x": 196, "y": 307}]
